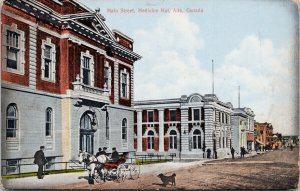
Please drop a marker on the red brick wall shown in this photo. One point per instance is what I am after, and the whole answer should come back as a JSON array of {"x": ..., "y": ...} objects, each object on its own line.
[
  {"x": 9, "y": 76},
  {"x": 145, "y": 143},
  {"x": 144, "y": 116},
  {"x": 167, "y": 115},
  {"x": 166, "y": 143},
  {"x": 124, "y": 42},
  {"x": 155, "y": 117},
  {"x": 178, "y": 115},
  {"x": 66, "y": 8},
  {"x": 135, "y": 143}
]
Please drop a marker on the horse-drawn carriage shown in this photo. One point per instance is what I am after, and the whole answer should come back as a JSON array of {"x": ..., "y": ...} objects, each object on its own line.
[{"x": 102, "y": 169}]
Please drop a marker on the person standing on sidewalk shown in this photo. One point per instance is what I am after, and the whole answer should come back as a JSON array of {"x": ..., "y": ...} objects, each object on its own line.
[
  {"x": 40, "y": 160},
  {"x": 232, "y": 152}
]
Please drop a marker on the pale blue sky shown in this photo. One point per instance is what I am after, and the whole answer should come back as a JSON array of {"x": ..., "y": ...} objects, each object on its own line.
[{"x": 251, "y": 42}]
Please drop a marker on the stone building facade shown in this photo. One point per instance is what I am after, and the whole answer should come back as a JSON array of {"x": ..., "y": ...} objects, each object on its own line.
[
  {"x": 187, "y": 126},
  {"x": 242, "y": 121},
  {"x": 67, "y": 82}
]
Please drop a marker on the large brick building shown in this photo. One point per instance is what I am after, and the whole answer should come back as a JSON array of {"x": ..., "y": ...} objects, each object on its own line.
[
  {"x": 263, "y": 135},
  {"x": 187, "y": 126},
  {"x": 67, "y": 82}
]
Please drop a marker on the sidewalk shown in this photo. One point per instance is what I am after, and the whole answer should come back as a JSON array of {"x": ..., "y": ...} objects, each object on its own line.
[{"x": 53, "y": 180}]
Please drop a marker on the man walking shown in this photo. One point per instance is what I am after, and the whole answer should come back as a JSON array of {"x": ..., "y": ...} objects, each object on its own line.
[
  {"x": 232, "y": 152},
  {"x": 40, "y": 160}
]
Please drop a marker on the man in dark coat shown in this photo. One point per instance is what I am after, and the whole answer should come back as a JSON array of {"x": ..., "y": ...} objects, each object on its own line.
[
  {"x": 232, "y": 152},
  {"x": 40, "y": 160},
  {"x": 114, "y": 155}
]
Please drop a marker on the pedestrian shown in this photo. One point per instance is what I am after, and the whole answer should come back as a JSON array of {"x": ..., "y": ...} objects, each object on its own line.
[
  {"x": 292, "y": 147},
  {"x": 114, "y": 155},
  {"x": 40, "y": 160},
  {"x": 232, "y": 152},
  {"x": 241, "y": 152},
  {"x": 99, "y": 152},
  {"x": 208, "y": 153},
  {"x": 215, "y": 153}
]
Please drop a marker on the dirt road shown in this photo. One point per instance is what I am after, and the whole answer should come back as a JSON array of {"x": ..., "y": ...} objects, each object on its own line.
[{"x": 272, "y": 170}]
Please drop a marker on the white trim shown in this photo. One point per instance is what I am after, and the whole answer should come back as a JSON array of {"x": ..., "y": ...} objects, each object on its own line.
[
  {"x": 21, "y": 53},
  {"x": 124, "y": 142},
  {"x": 52, "y": 69},
  {"x": 150, "y": 129},
  {"x": 92, "y": 76},
  {"x": 108, "y": 86},
  {"x": 191, "y": 133},
  {"x": 124, "y": 71}
]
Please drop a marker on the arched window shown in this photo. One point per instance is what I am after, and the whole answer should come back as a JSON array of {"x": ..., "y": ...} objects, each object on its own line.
[
  {"x": 49, "y": 122},
  {"x": 150, "y": 140},
  {"x": 197, "y": 139},
  {"x": 86, "y": 134},
  {"x": 173, "y": 139},
  {"x": 11, "y": 121},
  {"x": 124, "y": 129}
]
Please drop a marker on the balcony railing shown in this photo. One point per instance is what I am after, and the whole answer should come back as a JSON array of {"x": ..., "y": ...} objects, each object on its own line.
[{"x": 84, "y": 91}]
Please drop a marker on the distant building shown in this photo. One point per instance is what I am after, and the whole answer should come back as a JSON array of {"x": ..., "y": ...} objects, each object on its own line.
[
  {"x": 290, "y": 140},
  {"x": 242, "y": 121},
  {"x": 264, "y": 135},
  {"x": 67, "y": 83},
  {"x": 188, "y": 126}
]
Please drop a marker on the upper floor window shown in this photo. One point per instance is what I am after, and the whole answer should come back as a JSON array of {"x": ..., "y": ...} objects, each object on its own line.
[
  {"x": 124, "y": 129},
  {"x": 124, "y": 83},
  {"x": 49, "y": 122},
  {"x": 196, "y": 114},
  {"x": 13, "y": 54},
  {"x": 48, "y": 60},
  {"x": 150, "y": 116},
  {"x": 172, "y": 115},
  {"x": 87, "y": 69},
  {"x": 11, "y": 121},
  {"x": 107, "y": 76}
]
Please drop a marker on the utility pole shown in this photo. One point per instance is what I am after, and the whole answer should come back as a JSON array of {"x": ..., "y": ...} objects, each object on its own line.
[{"x": 213, "y": 80}]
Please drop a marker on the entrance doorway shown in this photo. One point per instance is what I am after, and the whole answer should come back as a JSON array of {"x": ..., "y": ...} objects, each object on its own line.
[{"x": 86, "y": 140}]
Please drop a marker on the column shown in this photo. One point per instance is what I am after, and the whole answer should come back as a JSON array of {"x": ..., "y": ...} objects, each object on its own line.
[
  {"x": 139, "y": 131},
  {"x": 116, "y": 83},
  {"x": 32, "y": 56},
  {"x": 184, "y": 132},
  {"x": 209, "y": 128},
  {"x": 161, "y": 129}
]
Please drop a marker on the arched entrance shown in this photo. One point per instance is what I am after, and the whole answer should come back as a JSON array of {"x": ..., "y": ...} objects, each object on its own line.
[{"x": 86, "y": 140}]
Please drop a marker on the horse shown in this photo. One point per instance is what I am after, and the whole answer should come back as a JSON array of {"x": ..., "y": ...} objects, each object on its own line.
[{"x": 91, "y": 161}]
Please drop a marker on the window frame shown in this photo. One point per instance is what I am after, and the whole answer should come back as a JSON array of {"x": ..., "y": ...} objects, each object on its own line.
[
  {"x": 172, "y": 110},
  {"x": 150, "y": 140},
  {"x": 199, "y": 114},
  {"x": 198, "y": 140},
  {"x": 15, "y": 130},
  {"x": 107, "y": 79},
  {"x": 49, "y": 109},
  {"x": 150, "y": 111},
  {"x": 20, "y": 61},
  {"x": 124, "y": 130},
  {"x": 127, "y": 84},
  {"x": 91, "y": 76},
  {"x": 173, "y": 140},
  {"x": 52, "y": 68}
]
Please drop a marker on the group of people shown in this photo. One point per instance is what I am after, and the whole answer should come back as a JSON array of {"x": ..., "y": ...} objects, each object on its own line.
[
  {"x": 40, "y": 159},
  {"x": 242, "y": 152},
  {"x": 114, "y": 155}
]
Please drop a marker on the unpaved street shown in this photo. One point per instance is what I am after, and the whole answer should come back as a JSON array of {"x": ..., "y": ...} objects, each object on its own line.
[{"x": 272, "y": 170}]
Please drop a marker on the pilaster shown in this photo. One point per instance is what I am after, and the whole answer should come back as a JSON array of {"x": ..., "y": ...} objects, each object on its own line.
[
  {"x": 139, "y": 131},
  {"x": 161, "y": 130},
  {"x": 209, "y": 127},
  {"x": 184, "y": 130},
  {"x": 32, "y": 56},
  {"x": 116, "y": 83}
]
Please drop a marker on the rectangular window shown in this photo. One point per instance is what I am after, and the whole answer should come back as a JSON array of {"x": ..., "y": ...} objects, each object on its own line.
[
  {"x": 172, "y": 115},
  {"x": 86, "y": 71},
  {"x": 196, "y": 114},
  {"x": 47, "y": 61},
  {"x": 12, "y": 166},
  {"x": 124, "y": 85},
  {"x": 106, "y": 76},
  {"x": 150, "y": 116},
  {"x": 13, "y": 49}
]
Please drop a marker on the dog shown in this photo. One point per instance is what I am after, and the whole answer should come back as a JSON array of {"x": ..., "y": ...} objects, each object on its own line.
[{"x": 167, "y": 179}]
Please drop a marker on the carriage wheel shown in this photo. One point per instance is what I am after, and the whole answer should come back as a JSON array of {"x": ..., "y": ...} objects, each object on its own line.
[
  {"x": 121, "y": 173},
  {"x": 134, "y": 171},
  {"x": 99, "y": 177}
]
